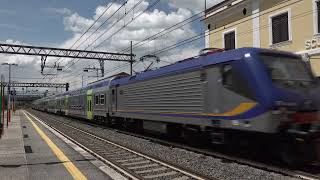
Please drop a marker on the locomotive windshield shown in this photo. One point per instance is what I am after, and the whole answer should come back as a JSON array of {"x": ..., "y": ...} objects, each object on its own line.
[{"x": 286, "y": 70}]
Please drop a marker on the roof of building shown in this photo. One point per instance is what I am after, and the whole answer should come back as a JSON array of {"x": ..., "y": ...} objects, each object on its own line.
[
  {"x": 221, "y": 5},
  {"x": 218, "y": 4}
]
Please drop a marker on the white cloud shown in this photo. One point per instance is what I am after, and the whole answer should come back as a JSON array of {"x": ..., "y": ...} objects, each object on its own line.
[
  {"x": 76, "y": 23},
  {"x": 59, "y": 11},
  {"x": 148, "y": 24}
]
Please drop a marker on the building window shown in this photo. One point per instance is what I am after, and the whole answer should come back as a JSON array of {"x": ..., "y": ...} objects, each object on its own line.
[
  {"x": 280, "y": 28},
  {"x": 229, "y": 40},
  {"x": 318, "y": 16},
  {"x": 102, "y": 99}
]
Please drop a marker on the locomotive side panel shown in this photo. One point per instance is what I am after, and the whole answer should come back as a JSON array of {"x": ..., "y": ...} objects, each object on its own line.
[
  {"x": 163, "y": 98},
  {"x": 170, "y": 94}
]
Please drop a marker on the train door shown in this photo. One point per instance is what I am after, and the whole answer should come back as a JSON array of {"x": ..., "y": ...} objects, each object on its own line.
[
  {"x": 213, "y": 90},
  {"x": 89, "y": 105},
  {"x": 113, "y": 99},
  {"x": 237, "y": 95}
]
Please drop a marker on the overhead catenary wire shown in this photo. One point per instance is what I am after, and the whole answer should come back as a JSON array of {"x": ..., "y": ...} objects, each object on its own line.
[
  {"x": 112, "y": 70},
  {"x": 133, "y": 19},
  {"x": 169, "y": 29},
  {"x": 196, "y": 16},
  {"x": 149, "y": 7},
  {"x": 87, "y": 30},
  {"x": 77, "y": 60},
  {"x": 203, "y": 35}
]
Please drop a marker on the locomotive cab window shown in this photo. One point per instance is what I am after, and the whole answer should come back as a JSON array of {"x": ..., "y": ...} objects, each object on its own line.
[
  {"x": 287, "y": 71},
  {"x": 233, "y": 80}
]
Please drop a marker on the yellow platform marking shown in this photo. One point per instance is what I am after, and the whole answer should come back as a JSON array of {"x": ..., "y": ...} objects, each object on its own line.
[
  {"x": 243, "y": 107},
  {"x": 73, "y": 170}
]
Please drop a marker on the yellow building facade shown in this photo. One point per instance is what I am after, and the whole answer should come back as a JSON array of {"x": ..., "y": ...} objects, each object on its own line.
[{"x": 289, "y": 25}]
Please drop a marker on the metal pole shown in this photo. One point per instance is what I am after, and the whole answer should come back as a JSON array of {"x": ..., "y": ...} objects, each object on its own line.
[
  {"x": 9, "y": 97},
  {"x": 3, "y": 103},
  {"x": 205, "y": 7},
  {"x": 1, "y": 89},
  {"x": 1, "y": 99},
  {"x": 82, "y": 81},
  {"x": 14, "y": 100},
  {"x": 131, "y": 59}
]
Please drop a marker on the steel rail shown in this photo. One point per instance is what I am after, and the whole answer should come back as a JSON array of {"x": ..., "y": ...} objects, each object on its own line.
[{"x": 184, "y": 173}]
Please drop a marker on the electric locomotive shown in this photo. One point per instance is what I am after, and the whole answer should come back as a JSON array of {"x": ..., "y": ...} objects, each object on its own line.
[{"x": 239, "y": 96}]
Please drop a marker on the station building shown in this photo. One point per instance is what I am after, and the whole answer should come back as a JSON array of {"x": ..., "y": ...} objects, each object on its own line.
[{"x": 289, "y": 25}]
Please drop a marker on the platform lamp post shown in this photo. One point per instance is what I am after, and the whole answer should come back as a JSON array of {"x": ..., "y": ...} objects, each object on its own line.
[
  {"x": 9, "y": 92},
  {"x": 1, "y": 105},
  {"x": 2, "y": 99}
]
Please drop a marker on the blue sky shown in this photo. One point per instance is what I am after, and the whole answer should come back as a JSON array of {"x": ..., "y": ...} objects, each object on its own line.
[{"x": 35, "y": 23}]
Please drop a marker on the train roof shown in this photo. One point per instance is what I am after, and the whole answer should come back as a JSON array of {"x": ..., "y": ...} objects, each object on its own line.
[
  {"x": 178, "y": 67},
  {"x": 195, "y": 63}
]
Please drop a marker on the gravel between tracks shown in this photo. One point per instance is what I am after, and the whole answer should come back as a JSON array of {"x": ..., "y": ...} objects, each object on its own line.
[{"x": 206, "y": 165}]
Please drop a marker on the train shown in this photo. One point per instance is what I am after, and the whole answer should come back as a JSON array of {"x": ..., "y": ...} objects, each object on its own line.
[{"x": 242, "y": 96}]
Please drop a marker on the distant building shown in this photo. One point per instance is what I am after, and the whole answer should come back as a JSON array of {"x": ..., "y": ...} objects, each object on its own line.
[{"x": 290, "y": 25}]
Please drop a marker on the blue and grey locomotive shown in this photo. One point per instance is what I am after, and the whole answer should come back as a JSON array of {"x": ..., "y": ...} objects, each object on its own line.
[{"x": 247, "y": 94}]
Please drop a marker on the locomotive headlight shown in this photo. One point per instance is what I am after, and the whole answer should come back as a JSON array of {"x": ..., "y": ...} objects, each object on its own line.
[{"x": 247, "y": 55}]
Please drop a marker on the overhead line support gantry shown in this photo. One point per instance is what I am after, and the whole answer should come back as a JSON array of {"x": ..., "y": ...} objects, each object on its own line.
[{"x": 45, "y": 52}]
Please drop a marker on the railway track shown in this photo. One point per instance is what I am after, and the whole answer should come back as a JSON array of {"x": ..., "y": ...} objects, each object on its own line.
[
  {"x": 129, "y": 162},
  {"x": 285, "y": 171}
]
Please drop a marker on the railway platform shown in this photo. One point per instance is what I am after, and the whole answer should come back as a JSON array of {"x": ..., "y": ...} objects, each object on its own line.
[{"x": 28, "y": 150}]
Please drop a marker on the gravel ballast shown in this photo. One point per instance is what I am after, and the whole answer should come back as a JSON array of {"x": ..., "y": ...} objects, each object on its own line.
[{"x": 213, "y": 167}]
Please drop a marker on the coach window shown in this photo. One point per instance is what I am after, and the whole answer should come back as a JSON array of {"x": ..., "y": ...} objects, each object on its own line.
[
  {"x": 96, "y": 99},
  {"x": 234, "y": 81},
  {"x": 102, "y": 99}
]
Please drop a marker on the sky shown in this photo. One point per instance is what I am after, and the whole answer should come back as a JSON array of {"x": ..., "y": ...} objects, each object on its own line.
[{"x": 58, "y": 23}]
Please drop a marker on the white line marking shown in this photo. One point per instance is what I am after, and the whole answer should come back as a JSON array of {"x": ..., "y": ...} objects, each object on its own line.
[
  {"x": 139, "y": 154},
  {"x": 102, "y": 166}
]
